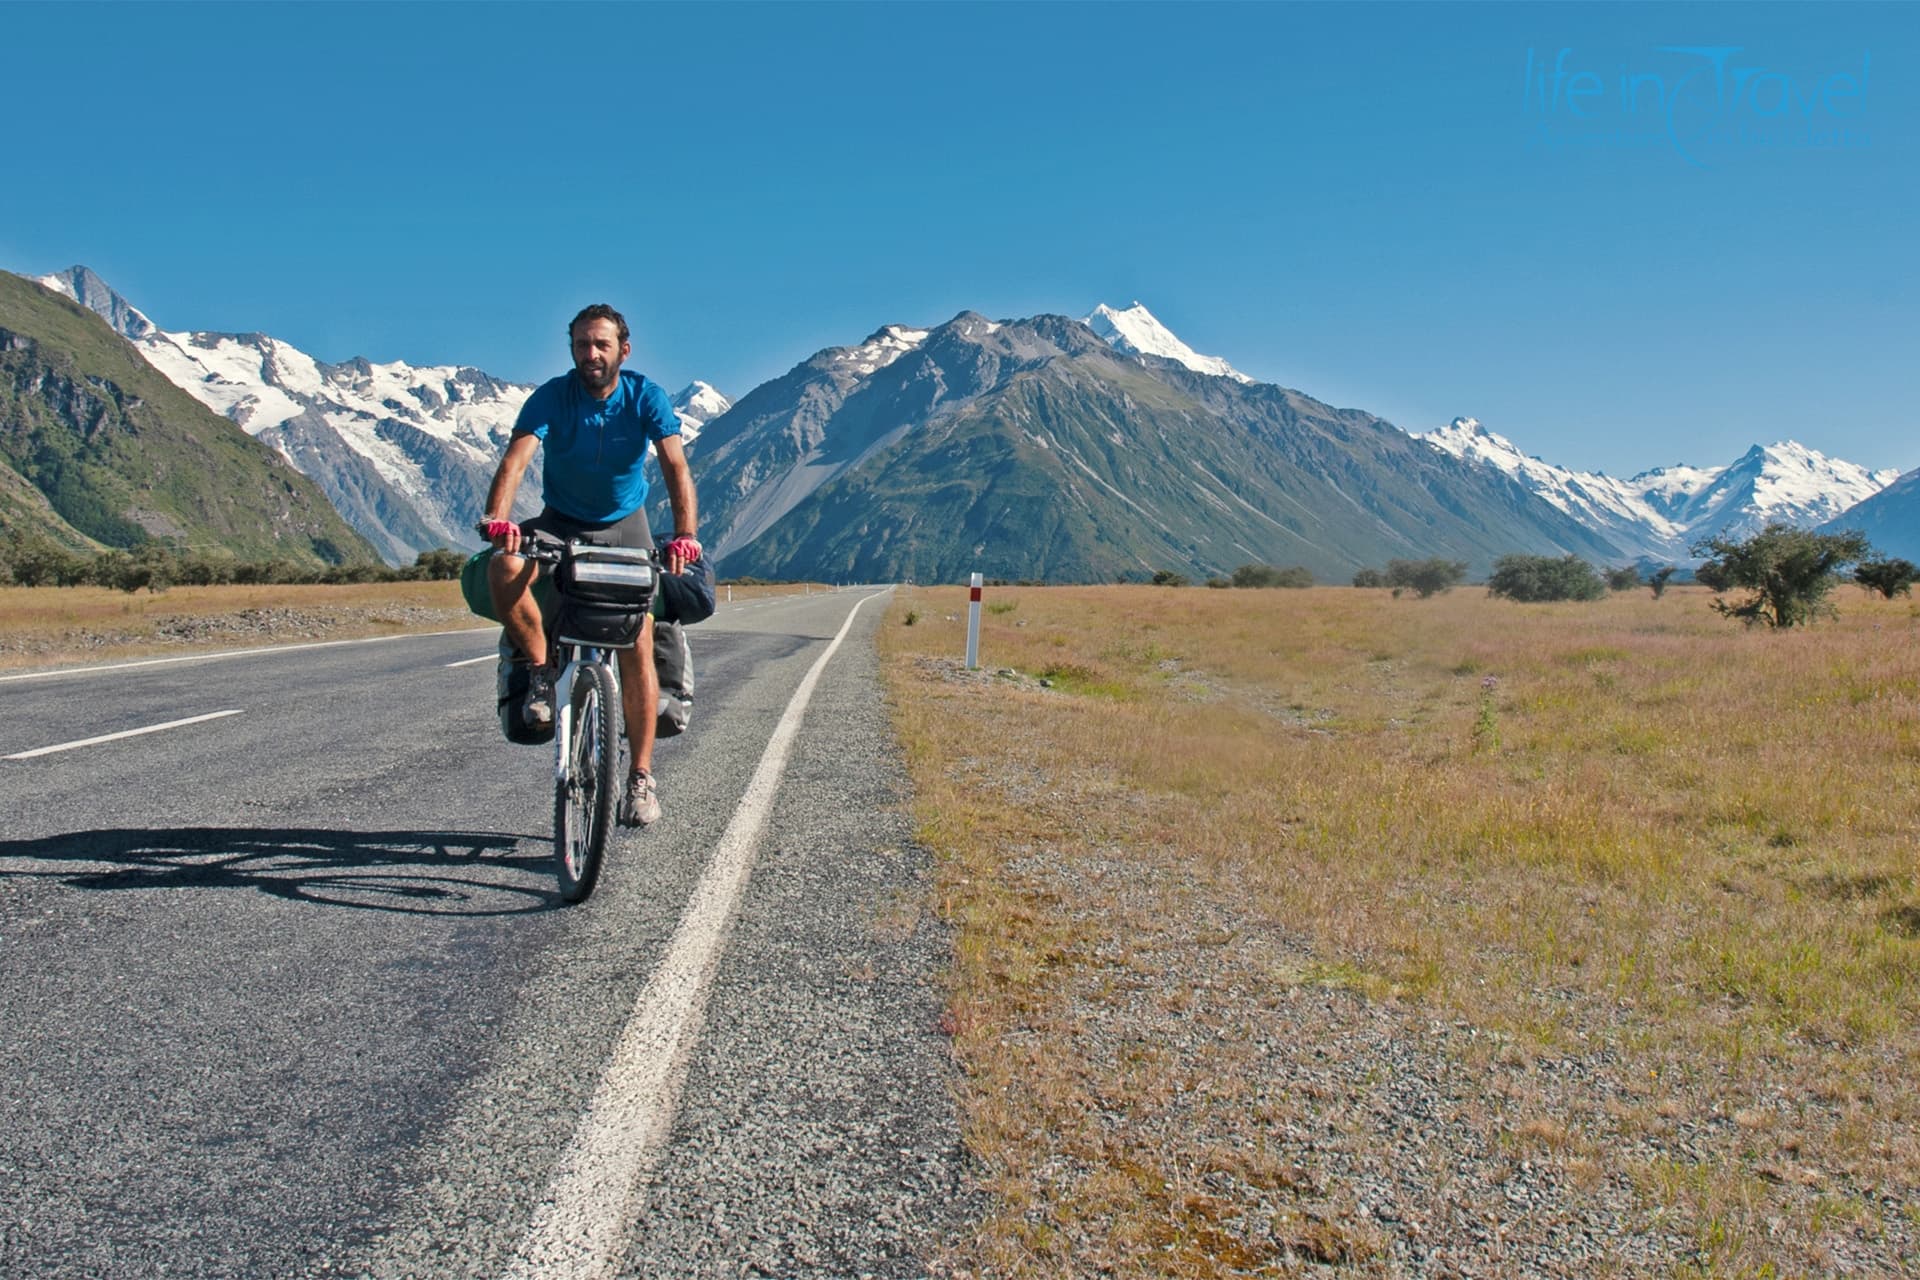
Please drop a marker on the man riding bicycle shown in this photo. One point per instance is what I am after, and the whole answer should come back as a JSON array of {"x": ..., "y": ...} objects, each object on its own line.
[{"x": 597, "y": 423}]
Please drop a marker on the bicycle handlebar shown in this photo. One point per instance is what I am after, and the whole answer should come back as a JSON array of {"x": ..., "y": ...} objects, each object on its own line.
[{"x": 535, "y": 545}]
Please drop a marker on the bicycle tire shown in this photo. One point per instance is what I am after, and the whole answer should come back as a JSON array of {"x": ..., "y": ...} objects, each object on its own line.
[{"x": 583, "y": 801}]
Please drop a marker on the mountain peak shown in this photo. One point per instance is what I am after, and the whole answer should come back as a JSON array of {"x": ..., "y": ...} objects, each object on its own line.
[
  {"x": 697, "y": 405},
  {"x": 882, "y": 347},
  {"x": 90, "y": 291},
  {"x": 1137, "y": 331}
]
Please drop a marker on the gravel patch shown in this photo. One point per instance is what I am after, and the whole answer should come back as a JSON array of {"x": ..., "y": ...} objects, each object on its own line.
[
  {"x": 245, "y": 626},
  {"x": 1288, "y": 1123}
]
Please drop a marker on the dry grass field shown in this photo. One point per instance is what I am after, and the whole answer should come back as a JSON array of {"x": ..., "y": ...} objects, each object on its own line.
[{"x": 1308, "y": 929}]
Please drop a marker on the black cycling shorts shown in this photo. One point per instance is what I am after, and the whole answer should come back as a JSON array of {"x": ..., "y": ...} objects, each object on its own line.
[{"x": 627, "y": 531}]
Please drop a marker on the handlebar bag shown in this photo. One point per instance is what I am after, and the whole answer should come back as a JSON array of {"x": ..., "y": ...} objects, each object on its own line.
[
  {"x": 605, "y": 593},
  {"x": 609, "y": 575}
]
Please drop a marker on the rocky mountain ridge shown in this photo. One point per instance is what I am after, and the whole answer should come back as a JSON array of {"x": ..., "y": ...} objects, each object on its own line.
[
  {"x": 99, "y": 449},
  {"x": 406, "y": 453},
  {"x": 1035, "y": 448}
]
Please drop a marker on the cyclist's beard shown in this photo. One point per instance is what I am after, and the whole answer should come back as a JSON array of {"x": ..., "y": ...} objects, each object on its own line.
[{"x": 598, "y": 378}]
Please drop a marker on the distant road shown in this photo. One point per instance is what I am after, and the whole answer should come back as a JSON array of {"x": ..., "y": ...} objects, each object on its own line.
[{"x": 285, "y": 989}]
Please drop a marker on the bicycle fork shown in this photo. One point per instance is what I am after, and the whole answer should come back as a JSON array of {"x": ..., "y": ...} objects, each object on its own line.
[
  {"x": 563, "y": 722},
  {"x": 563, "y": 709}
]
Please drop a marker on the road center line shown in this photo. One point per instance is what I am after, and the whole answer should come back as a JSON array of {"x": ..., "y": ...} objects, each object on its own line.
[
  {"x": 579, "y": 1230},
  {"x": 115, "y": 737},
  {"x": 467, "y": 662}
]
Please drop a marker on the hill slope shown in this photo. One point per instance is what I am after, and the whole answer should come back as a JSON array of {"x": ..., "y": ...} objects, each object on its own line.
[
  {"x": 124, "y": 456},
  {"x": 1890, "y": 518}
]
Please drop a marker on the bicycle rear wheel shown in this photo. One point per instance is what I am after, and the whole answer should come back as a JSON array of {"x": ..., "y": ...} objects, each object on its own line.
[{"x": 583, "y": 800}]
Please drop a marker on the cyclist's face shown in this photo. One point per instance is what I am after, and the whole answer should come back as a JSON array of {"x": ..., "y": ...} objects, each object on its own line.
[{"x": 597, "y": 353}]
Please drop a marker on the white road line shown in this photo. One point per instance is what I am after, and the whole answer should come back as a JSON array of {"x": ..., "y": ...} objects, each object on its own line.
[
  {"x": 235, "y": 653},
  {"x": 468, "y": 662},
  {"x": 115, "y": 737},
  {"x": 579, "y": 1231}
]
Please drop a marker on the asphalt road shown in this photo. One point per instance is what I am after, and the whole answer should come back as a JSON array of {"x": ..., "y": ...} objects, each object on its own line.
[{"x": 289, "y": 992}]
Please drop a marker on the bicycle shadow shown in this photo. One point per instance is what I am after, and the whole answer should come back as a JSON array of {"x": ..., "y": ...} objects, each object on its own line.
[{"x": 415, "y": 872}]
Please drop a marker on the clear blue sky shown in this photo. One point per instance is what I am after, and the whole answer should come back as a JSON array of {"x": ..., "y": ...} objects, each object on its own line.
[{"x": 1366, "y": 202}]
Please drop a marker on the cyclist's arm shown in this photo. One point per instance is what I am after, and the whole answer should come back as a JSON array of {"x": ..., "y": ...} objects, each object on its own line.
[
  {"x": 679, "y": 481},
  {"x": 506, "y": 480}
]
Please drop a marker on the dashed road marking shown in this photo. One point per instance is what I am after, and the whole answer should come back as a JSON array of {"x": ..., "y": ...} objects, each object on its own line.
[{"x": 115, "y": 737}]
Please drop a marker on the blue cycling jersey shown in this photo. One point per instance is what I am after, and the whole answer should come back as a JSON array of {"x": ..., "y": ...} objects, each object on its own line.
[{"x": 596, "y": 450}]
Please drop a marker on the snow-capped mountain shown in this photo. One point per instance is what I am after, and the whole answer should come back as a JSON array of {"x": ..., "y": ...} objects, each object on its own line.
[
  {"x": 1025, "y": 448},
  {"x": 1783, "y": 482},
  {"x": 1659, "y": 514},
  {"x": 698, "y": 404},
  {"x": 1136, "y": 332},
  {"x": 881, "y": 348},
  {"x": 406, "y": 453},
  {"x": 1615, "y": 508}
]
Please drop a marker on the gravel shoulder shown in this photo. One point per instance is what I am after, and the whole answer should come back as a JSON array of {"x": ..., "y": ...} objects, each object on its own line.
[
  {"x": 1161, "y": 1080},
  {"x": 163, "y": 634}
]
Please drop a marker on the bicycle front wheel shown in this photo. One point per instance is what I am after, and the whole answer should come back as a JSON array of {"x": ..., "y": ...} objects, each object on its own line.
[{"x": 583, "y": 800}]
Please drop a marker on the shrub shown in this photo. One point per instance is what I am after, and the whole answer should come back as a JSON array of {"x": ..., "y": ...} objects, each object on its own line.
[
  {"x": 441, "y": 564},
  {"x": 39, "y": 562},
  {"x": 1269, "y": 575},
  {"x": 1790, "y": 572},
  {"x": 1425, "y": 577},
  {"x": 1370, "y": 578},
  {"x": 1889, "y": 577},
  {"x": 1625, "y": 578},
  {"x": 1533, "y": 579},
  {"x": 1168, "y": 578},
  {"x": 1658, "y": 582}
]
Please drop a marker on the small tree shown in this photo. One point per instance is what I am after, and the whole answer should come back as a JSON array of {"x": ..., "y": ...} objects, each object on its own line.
[
  {"x": 1426, "y": 577},
  {"x": 1168, "y": 578},
  {"x": 1533, "y": 579},
  {"x": 440, "y": 564},
  {"x": 1790, "y": 572},
  {"x": 1269, "y": 575},
  {"x": 1889, "y": 577},
  {"x": 1658, "y": 582},
  {"x": 40, "y": 562},
  {"x": 1625, "y": 578},
  {"x": 1369, "y": 578}
]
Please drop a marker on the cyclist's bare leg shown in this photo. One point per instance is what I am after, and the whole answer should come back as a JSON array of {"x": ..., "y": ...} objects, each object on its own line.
[
  {"x": 640, "y": 696},
  {"x": 511, "y": 580}
]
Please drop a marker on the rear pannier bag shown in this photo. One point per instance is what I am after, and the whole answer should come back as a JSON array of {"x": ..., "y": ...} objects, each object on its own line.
[{"x": 673, "y": 661}]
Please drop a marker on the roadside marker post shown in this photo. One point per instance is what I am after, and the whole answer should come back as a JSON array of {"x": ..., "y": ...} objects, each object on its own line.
[{"x": 973, "y": 623}]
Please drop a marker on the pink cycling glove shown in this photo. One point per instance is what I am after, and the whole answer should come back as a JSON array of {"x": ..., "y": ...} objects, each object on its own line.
[
  {"x": 499, "y": 529},
  {"x": 685, "y": 548}
]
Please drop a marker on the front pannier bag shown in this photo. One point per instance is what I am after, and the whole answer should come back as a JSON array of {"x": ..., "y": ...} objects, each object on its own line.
[{"x": 605, "y": 592}]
